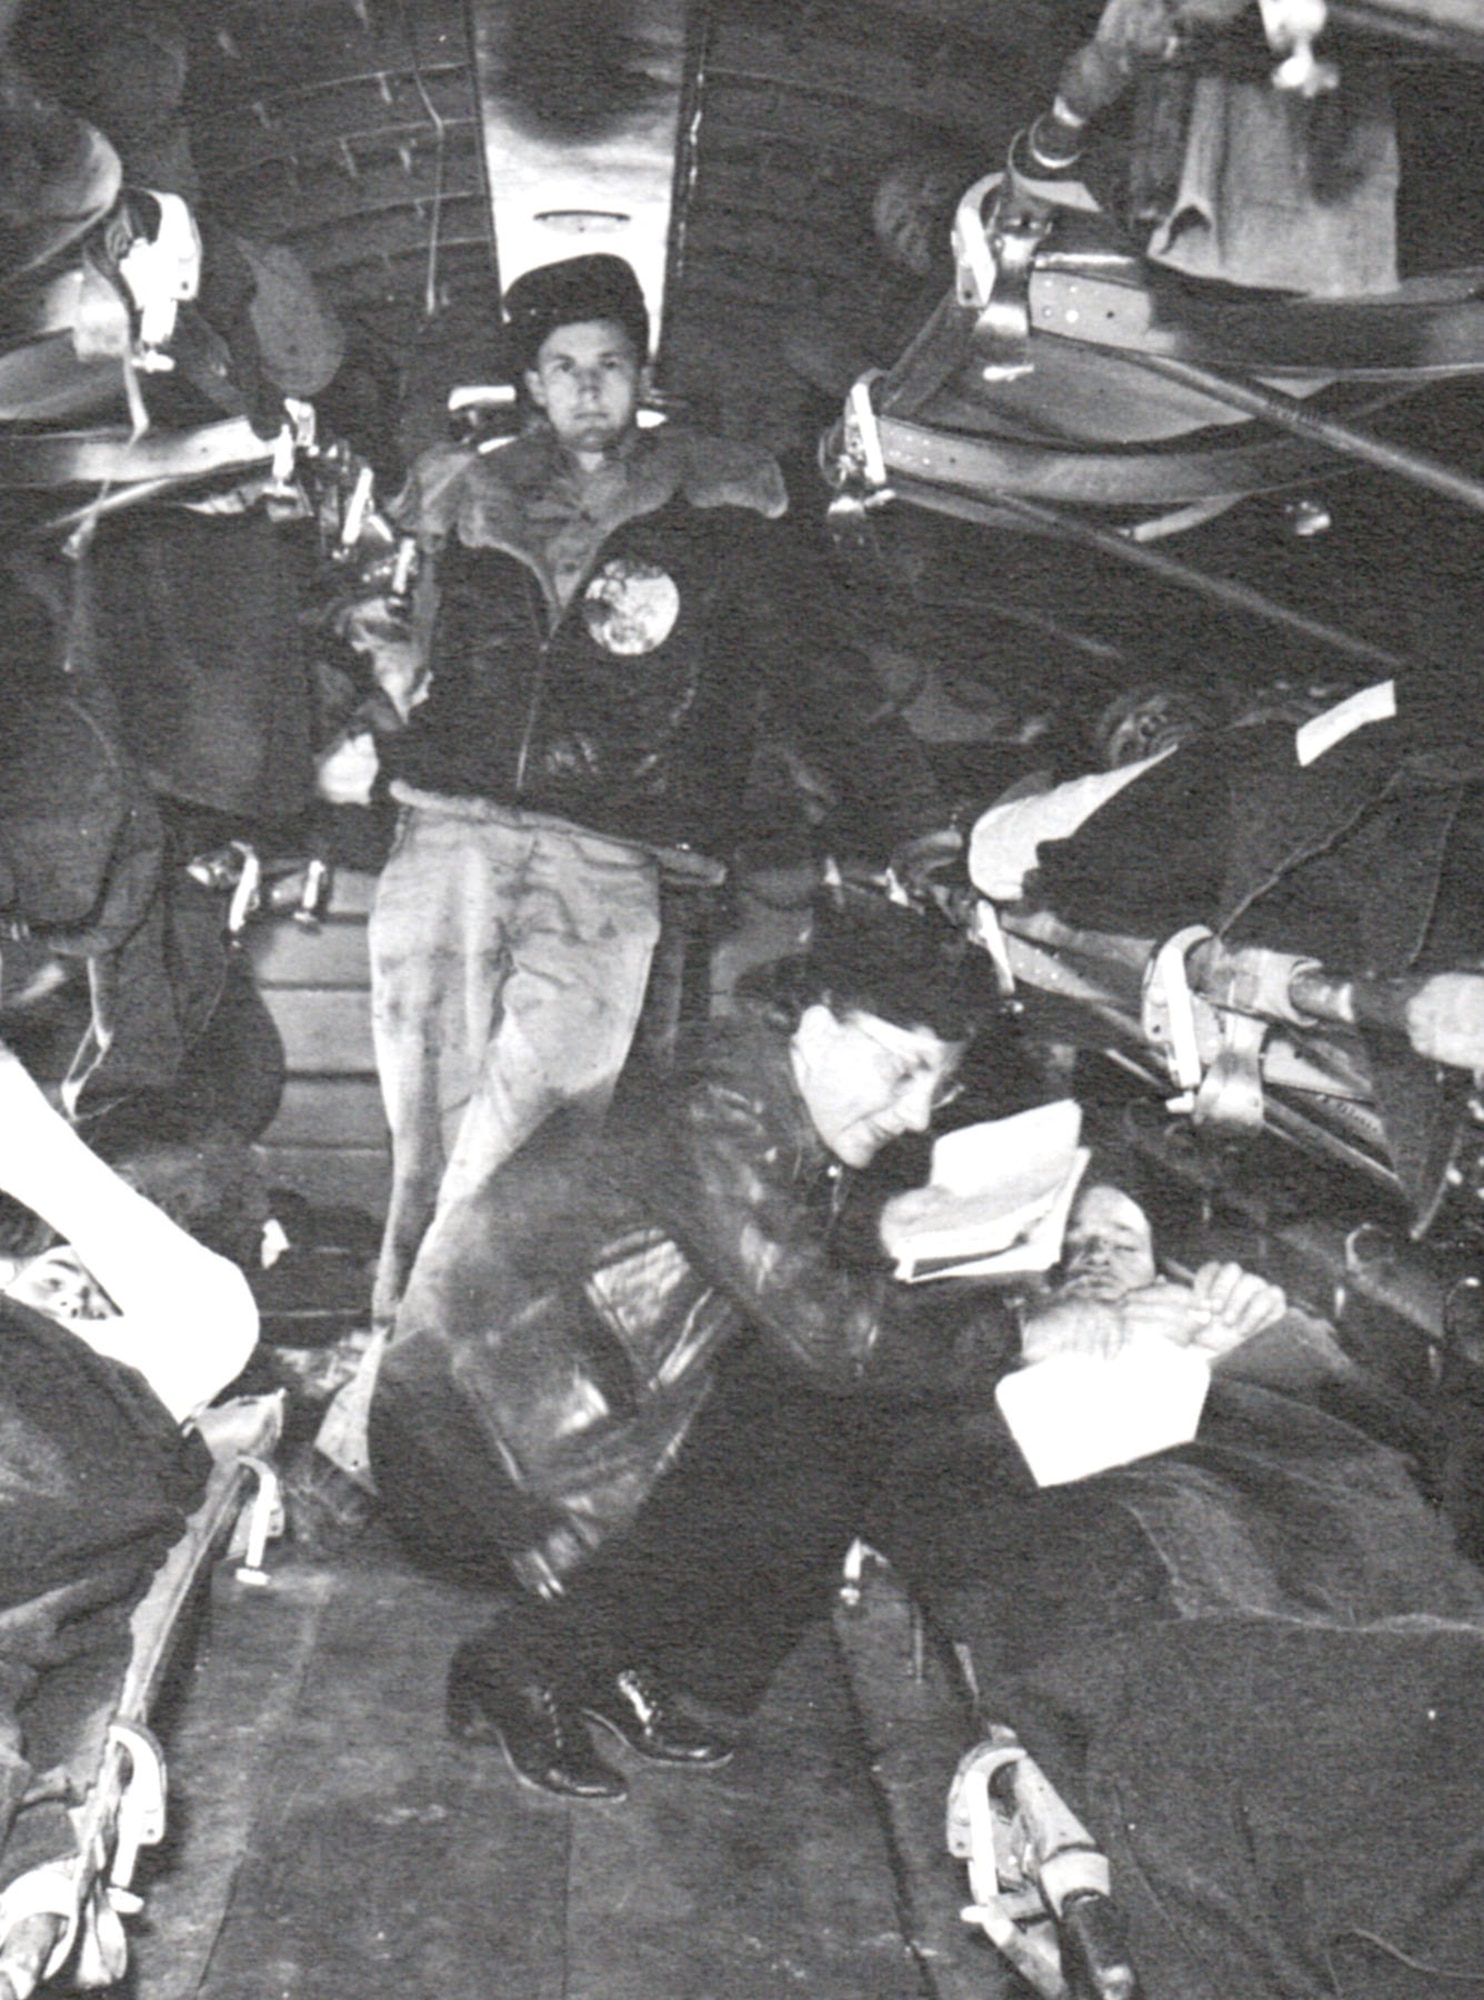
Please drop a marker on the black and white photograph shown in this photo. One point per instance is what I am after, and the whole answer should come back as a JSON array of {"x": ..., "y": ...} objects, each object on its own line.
[{"x": 742, "y": 999}]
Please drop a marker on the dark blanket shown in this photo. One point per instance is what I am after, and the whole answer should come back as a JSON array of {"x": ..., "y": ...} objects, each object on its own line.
[
  {"x": 1255, "y": 1667},
  {"x": 1362, "y": 858},
  {"x": 196, "y": 629},
  {"x": 95, "y": 1481}
]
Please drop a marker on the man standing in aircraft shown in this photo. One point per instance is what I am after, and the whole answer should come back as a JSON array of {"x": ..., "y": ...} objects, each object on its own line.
[{"x": 607, "y": 608}]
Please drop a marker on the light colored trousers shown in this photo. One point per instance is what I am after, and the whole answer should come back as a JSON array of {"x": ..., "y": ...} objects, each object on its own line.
[{"x": 509, "y": 958}]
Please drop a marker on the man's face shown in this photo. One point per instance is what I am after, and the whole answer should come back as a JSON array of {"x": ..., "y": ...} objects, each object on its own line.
[
  {"x": 866, "y": 1081},
  {"x": 1109, "y": 1250},
  {"x": 1161, "y": 719},
  {"x": 586, "y": 379},
  {"x": 56, "y": 1283}
]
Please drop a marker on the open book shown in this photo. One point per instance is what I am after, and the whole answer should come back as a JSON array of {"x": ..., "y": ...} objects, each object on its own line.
[{"x": 1007, "y": 1189}]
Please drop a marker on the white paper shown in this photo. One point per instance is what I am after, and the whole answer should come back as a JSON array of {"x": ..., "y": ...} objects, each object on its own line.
[
  {"x": 1009, "y": 1185},
  {"x": 1076, "y": 1414}
]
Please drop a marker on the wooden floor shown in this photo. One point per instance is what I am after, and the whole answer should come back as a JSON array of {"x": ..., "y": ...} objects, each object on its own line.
[{"x": 329, "y": 1842}]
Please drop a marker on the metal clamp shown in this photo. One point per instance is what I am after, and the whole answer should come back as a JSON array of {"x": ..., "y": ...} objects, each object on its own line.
[
  {"x": 1030, "y": 1859},
  {"x": 1167, "y": 1013},
  {"x": 1230, "y": 1093},
  {"x": 984, "y": 930},
  {"x": 261, "y": 1521},
  {"x": 994, "y": 258},
  {"x": 864, "y": 437},
  {"x": 141, "y": 1810},
  {"x": 852, "y": 1574},
  {"x": 971, "y": 254},
  {"x": 1291, "y": 27}
]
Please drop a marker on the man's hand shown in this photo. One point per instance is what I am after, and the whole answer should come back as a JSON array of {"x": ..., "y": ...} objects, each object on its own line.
[
  {"x": 1445, "y": 1019},
  {"x": 346, "y": 772},
  {"x": 1103, "y": 1328},
  {"x": 1093, "y": 1327},
  {"x": 914, "y": 1208},
  {"x": 1236, "y": 1305},
  {"x": 1163, "y": 1311},
  {"x": 1222, "y": 1308}
]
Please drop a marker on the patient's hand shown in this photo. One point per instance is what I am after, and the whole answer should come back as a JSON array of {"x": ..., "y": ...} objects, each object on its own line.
[
  {"x": 1163, "y": 1311},
  {"x": 1074, "y": 1326},
  {"x": 1103, "y": 1328},
  {"x": 1235, "y": 1304},
  {"x": 1221, "y": 1309}
]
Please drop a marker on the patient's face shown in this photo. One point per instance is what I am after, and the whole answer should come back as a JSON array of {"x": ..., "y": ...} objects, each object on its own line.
[
  {"x": 57, "y": 1284},
  {"x": 1109, "y": 1249}
]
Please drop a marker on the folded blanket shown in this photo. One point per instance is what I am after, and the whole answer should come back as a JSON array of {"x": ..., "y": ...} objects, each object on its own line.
[{"x": 1286, "y": 192}]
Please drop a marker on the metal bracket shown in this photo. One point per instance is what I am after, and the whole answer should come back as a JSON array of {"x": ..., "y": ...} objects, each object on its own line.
[
  {"x": 261, "y": 1521},
  {"x": 984, "y": 930},
  {"x": 1028, "y": 1856},
  {"x": 1167, "y": 1013},
  {"x": 995, "y": 256},
  {"x": 1007, "y": 1905},
  {"x": 1230, "y": 1094},
  {"x": 141, "y": 1810},
  {"x": 1291, "y": 27},
  {"x": 863, "y": 433}
]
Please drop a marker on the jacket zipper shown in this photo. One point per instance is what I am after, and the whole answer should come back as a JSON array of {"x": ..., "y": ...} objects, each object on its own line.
[{"x": 536, "y": 604}]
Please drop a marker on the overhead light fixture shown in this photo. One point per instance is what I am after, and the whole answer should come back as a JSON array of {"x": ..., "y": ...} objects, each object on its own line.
[{"x": 582, "y": 221}]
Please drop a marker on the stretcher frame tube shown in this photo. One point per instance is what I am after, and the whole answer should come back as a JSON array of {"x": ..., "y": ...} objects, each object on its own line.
[
  {"x": 1291, "y": 415},
  {"x": 1219, "y": 590},
  {"x": 1444, "y": 25},
  {"x": 1408, "y": 1284}
]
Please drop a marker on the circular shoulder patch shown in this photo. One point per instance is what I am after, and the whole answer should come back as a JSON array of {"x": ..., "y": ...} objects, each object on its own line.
[{"x": 630, "y": 606}]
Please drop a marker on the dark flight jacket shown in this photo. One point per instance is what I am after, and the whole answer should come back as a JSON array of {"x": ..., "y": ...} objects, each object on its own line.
[{"x": 632, "y": 711}]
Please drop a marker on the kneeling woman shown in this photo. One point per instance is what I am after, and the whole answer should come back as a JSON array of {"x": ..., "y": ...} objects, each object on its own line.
[{"x": 621, "y": 1390}]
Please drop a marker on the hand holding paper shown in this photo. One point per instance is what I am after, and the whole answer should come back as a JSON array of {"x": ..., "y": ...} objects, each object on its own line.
[
  {"x": 997, "y": 1201},
  {"x": 1076, "y": 1414}
]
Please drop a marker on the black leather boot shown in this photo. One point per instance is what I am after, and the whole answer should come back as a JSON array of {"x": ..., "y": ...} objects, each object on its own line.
[
  {"x": 542, "y": 1734},
  {"x": 640, "y": 1710}
]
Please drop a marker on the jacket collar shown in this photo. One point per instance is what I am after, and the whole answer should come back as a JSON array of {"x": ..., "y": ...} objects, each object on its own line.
[
  {"x": 751, "y": 1052},
  {"x": 504, "y": 499}
]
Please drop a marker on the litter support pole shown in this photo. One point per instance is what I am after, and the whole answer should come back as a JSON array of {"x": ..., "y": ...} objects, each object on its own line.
[
  {"x": 1221, "y": 590},
  {"x": 1292, "y": 415}
]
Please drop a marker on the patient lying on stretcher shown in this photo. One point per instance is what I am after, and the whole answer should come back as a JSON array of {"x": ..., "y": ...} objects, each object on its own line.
[
  {"x": 1253, "y": 1665},
  {"x": 100, "y": 1473},
  {"x": 1352, "y": 839},
  {"x": 1112, "y": 1295}
]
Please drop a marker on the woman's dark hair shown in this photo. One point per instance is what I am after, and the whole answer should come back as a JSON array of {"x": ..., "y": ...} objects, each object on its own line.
[{"x": 903, "y": 964}]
